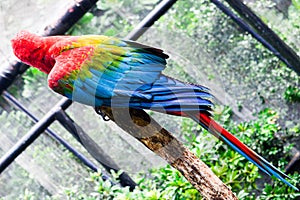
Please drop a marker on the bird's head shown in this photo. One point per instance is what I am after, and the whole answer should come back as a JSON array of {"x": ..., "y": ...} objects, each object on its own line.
[{"x": 32, "y": 50}]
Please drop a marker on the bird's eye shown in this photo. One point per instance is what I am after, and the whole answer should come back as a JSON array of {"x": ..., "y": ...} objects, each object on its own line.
[{"x": 35, "y": 50}]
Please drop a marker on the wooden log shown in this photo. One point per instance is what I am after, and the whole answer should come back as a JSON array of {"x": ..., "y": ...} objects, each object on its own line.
[{"x": 145, "y": 129}]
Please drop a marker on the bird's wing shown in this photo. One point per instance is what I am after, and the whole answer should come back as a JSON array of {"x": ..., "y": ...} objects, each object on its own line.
[{"x": 93, "y": 69}]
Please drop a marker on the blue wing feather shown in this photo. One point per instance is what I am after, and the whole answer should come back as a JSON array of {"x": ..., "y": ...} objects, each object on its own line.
[{"x": 133, "y": 79}]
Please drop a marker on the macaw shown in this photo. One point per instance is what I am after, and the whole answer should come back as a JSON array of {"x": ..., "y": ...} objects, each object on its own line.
[{"x": 98, "y": 71}]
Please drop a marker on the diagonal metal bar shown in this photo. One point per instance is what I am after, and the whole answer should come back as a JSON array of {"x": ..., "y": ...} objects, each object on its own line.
[
  {"x": 261, "y": 32},
  {"x": 70, "y": 18},
  {"x": 86, "y": 141},
  {"x": 52, "y": 134},
  {"x": 246, "y": 27},
  {"x": 149, "y": 20},
  {"x": 10, "y": 73},
  {"x": 31, "y": 136},
  {"x": 93, "y": 148}
]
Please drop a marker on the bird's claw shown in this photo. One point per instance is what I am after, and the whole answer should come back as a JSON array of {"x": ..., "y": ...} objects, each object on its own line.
[{"x": 103, "y": 115}]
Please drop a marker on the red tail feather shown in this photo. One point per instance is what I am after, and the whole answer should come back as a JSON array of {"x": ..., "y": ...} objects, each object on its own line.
[
  {"x": 221, "y": 133},
  {"x": 213, "y": 127}
]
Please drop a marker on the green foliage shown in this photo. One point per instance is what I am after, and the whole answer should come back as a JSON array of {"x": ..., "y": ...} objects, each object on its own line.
[
  {"x": 231, "y": 167},
  {"x": 83, "y": 26},
  {"x": 165, "y": 183},
  {"x": 280, "y": 191},
  {"x": 296, "y": 3},
  {"x": 260, "y": 136},
  {"x": 28, "y": 195},
  {"x": 235, "y": 171},
  {"x": 112, "y": 18},
  {"x": 31, "y": 74},
  {"x": 31, "y": 81},
  {"x": 292, "y": 94}
]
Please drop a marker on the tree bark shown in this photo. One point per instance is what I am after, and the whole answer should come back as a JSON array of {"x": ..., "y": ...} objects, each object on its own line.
[{"x": 145, "y": 129}]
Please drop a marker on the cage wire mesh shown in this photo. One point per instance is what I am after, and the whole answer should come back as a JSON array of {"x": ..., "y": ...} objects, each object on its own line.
[{"x": 240, "y": 74}]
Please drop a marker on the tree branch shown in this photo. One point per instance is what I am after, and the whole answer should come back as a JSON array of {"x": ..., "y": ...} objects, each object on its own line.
[{"x": 145, "y": 129}]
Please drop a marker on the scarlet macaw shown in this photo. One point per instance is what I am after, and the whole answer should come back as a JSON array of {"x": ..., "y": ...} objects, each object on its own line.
[{"x": 104, "y": 71}]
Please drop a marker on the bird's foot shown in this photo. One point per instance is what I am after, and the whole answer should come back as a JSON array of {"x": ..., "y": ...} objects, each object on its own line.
[{"x": 103, "y": 115}]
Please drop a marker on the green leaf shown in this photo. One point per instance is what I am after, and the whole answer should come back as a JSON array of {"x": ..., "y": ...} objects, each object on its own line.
[{"x": 296, "y": 3}]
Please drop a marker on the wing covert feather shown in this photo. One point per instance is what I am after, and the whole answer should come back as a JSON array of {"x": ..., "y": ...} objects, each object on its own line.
[{"x": 104, "y": 69}]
